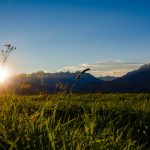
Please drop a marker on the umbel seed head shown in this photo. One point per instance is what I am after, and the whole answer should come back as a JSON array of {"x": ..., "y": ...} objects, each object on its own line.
[{"x": 5, "y": 53}]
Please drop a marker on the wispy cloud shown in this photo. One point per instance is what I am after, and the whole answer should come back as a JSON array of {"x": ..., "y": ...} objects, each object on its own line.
[{"x": 105, "y": 68}]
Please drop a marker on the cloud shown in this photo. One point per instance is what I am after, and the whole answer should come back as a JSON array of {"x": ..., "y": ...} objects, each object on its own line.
[{"x": 105, "y": 68}]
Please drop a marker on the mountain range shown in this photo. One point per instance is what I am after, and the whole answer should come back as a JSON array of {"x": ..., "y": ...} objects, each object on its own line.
[
  {"x": 135, "y": 81},
  {"x": 108, "y": 78}
]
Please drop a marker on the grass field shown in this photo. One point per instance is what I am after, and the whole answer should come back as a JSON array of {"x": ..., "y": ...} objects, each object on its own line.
[{"x": 79, "y": 121}]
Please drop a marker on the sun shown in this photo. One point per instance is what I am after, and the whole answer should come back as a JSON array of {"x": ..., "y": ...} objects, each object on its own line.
[{"x": 3, "y": 75}]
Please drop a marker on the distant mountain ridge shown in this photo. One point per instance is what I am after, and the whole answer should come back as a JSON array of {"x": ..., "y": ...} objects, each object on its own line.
[
  {"x": 41, "y": 81},
  {"x": 108, "y": 78},
  {"x": 135, "y": 81},
  {"x": 143, "y": 68}
]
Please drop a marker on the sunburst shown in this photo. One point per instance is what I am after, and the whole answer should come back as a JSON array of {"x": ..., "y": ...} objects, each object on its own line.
[{"x": 3, "y": 75}]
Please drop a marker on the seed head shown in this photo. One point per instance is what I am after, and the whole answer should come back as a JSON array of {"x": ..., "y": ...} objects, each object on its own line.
[
  {"x": 79, "y": 75},
  {"x": 85, "y": 70}
]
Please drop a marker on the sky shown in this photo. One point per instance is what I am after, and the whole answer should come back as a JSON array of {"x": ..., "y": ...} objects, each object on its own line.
[{"x": 111, "y": 37}]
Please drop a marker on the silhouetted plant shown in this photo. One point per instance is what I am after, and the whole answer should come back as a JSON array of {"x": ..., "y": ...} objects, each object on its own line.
[
  {"x": 67, "y": 90},
  {"x": 79, "y": 75},
  {"x": 5, "y": 53}
]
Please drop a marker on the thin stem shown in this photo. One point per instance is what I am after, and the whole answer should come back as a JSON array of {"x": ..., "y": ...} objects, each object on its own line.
[{"x": 5, "y": 54}]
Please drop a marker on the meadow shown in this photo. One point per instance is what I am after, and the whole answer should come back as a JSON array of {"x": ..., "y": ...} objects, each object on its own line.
[{"x": 77, "y": 121}]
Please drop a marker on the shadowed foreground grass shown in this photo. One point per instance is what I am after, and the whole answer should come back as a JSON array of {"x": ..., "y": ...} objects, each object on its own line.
[{"x": 87, "y": 121}]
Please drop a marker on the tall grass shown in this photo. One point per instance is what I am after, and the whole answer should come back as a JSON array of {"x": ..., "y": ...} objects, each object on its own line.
[{"x": 86, "y": 121}]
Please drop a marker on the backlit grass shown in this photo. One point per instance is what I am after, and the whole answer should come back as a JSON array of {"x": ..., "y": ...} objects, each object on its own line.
[{"x": 82, "y": 121}]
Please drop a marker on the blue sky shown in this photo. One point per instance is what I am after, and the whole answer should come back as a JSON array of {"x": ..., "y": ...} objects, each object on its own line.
[{"x": 56, "y": 35}]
